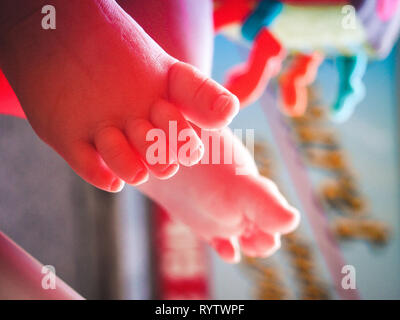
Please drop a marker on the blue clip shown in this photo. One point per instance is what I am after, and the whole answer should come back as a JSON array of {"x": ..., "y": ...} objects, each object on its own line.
[
  {"x": 351, "y": 88},
  {"x": 262, "y": 16}
]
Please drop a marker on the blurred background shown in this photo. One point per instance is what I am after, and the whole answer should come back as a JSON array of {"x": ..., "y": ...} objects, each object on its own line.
[{"x": 343, "y": 177}]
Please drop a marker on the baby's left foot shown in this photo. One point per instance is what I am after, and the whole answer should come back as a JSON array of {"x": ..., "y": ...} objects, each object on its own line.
[{"x": 97, "y": 87}]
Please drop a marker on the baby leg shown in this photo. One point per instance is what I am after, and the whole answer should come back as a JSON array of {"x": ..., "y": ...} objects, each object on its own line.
[{"x": 22, "y": 277}]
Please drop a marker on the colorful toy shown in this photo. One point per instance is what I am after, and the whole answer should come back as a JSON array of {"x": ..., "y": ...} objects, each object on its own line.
[{"x": 309, "y": 30}]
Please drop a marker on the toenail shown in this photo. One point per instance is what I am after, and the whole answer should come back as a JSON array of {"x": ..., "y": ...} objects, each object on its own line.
[
  {"x": 171, "y": 169},
  {"x": 222, "y": 103},
  {"x": 140, "y": 177},
  {"x": 117, "y": 185}
]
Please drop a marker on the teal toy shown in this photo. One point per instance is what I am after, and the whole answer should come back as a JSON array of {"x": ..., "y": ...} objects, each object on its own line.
[
  {"x": 263, "y": 16},
  {"x": 351, "y": 88}
]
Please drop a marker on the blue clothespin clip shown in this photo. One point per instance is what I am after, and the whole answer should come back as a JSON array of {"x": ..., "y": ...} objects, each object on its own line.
[
  {"x": 263, "y": 16},
  {"x": 351, "y": 88}
]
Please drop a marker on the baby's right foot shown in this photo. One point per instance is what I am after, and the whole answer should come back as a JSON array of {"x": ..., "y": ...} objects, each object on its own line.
[{"x": 96, "y": 85}]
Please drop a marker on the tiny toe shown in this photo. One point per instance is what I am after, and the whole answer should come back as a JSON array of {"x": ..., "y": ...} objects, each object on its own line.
[
  {"x": 259, "y": 244},
  {"x": 89, "y": 165},
  {"x": 151, "y": 144},
  {"x": 182, "y": 139},
  {"x": 269, "y": 210},
  {"x": 201, "y": 100},
  {"x": 119, "y": 156},
  {"x": 227, "y": 249}
]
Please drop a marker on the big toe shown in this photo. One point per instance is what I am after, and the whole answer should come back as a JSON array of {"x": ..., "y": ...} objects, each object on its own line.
[{"x": 202, "y": 100}]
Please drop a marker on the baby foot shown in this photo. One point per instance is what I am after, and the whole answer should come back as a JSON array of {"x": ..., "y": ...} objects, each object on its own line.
[
  {"x": 95, "y": 86},
  {"x": 229, "y": 211}
]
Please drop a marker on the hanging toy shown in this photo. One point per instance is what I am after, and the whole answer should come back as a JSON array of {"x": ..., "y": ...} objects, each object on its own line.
[
  {"x": 248, "y": 81},
  {"x": 386, "y": 9},
  {"x": 294, "y": 82},
  {"x": 309, "y": 31},
  {"x": 381, "y": 23},
  {"x": 351, "y": 88}
]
